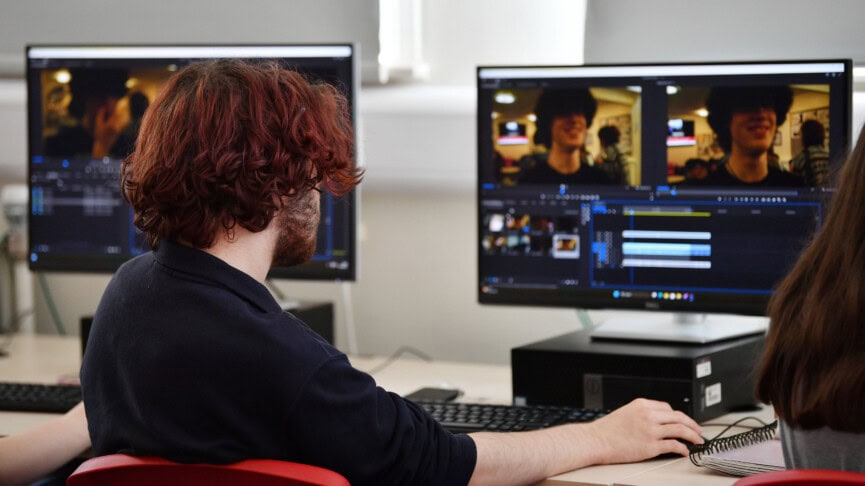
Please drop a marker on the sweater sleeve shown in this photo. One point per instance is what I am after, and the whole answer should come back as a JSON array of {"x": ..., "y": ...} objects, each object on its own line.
[{"x": 349, "y": 424}]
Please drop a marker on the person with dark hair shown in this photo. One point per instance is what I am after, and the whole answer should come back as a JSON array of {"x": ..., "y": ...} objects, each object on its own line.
[
  {"x": 612, "y": 160},
  {"x": 95, "y": 94},
  {"x": 813, "y": 368},
  {"x": 745, "y": 119},
  {"x": 563, "y": 119},
  {"x": 191, "y": 358},
  {"x": 696, "y": 169},
  {"x": 138, "y": 104},
  {"x": 812, "y": 162}
]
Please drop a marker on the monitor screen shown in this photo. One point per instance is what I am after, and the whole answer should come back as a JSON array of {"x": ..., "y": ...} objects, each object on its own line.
[
  {"x": 589, "y": 216},
  {"x": 84, "y": 104},
  {"x": 512, "y": 133}
]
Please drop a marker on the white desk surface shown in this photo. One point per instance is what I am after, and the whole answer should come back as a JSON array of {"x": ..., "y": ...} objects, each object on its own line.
[{"x": 49, "y": 359}]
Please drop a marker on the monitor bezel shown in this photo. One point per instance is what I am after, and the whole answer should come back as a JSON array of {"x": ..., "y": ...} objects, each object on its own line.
[
  {"x": 105, "y": 264},
  {"x": 589, "y": 298}
]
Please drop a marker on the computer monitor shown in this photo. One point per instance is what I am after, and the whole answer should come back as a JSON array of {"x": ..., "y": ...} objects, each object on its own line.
[
  {"x": 550, "y": 235},
  {"x": 78, "y": 219},
  {"x": 680, "y": 131}
]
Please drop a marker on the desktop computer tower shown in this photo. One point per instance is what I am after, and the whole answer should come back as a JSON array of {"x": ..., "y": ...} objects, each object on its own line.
[{"x": 703, "y": 381}]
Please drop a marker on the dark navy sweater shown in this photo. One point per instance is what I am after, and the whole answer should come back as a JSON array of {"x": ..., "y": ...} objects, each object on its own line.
[{"x": 193, "y": 360}]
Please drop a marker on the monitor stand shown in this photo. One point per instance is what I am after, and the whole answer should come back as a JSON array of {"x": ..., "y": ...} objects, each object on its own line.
[{"x": 681, "y": 327}]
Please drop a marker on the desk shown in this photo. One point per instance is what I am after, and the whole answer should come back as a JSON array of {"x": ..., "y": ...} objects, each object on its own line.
[{"x": 48, "y": 359}]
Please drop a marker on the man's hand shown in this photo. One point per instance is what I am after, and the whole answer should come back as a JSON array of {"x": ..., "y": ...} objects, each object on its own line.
[{"x": 643, "y": 429}]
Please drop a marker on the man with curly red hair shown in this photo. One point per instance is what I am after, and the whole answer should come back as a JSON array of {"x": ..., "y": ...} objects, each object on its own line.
[{"x": 191, "y": 358}]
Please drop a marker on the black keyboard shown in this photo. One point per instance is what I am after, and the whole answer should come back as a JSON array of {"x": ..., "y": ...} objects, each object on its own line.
[
  {"x": 34, "y": 397},
  {"x": 473, "y": 417}
]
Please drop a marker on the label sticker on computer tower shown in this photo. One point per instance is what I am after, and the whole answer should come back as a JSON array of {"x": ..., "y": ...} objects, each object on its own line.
[
  {"x": 593, "y": 391},
  {"x": 713, "y": 394},
  {"x": 704, "y": 367}
]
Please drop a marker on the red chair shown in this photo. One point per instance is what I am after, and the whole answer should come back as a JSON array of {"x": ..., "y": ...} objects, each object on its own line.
[
  {"x": 129, "y": 470},
  {"x": 803, "y": 477}
]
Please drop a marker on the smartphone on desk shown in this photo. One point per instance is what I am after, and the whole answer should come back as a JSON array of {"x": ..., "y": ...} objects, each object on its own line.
[{"x": 432, "y": 394}]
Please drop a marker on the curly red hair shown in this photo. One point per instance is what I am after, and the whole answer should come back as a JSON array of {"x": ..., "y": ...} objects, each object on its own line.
[{"x": 226, "y": 141}]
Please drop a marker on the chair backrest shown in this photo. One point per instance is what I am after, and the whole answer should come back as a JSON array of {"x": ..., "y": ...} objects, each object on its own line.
[
  {"x": 144, "y": 470},
  {"x": 803, "y": 477}
]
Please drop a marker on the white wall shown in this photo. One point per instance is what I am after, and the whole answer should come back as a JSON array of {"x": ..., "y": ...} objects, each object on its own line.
[
  {"x": 459, "y": 35},
  {"x": 727, "y": 30},
  {"x": 187, "y": 21},
  {"x": 712, "y": 30},
  {"x": 13, "y": 131}
]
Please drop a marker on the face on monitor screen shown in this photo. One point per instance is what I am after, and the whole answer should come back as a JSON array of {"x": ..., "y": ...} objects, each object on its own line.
[
  {"x": 751, "y": 131},
  {"x": 688, "y": 187},
  {"x": 580, "y": 135},
  {"x": 85, "y": 105}
]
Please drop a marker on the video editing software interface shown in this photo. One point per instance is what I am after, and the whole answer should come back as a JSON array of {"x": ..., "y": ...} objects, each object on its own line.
[
  {"x": 650, "y": 223},
  {"x": 78, "y": 218}
]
